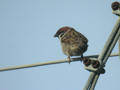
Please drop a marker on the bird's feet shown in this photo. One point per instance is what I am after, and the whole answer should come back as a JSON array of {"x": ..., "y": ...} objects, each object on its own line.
[
  {"x": 86, "y": 61},
  {"x": 82, "y": 58},
  {"x": 69, "y": 59}
]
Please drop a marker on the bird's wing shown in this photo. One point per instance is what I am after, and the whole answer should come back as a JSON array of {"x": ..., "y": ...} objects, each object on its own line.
[
  {"x": 82, "y": 37},
  {"x": 75, "y": 37}
]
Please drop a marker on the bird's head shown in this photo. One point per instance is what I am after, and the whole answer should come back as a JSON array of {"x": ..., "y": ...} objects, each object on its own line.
[{"x": 62, "y": 31}]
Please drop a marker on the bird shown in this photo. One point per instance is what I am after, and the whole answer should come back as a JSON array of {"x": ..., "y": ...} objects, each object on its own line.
[{"x": 73, "y": 42}]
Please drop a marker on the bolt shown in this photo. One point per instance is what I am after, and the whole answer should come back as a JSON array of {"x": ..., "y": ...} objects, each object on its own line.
[
  {"x": 95, "y": 64},
  {"x": 115, "y": 5},
  {"x": 102, "y": 71},
  {"x": 86, "y": 61}
]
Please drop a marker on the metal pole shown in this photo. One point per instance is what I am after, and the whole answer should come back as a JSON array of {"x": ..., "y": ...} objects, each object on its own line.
[
  {"x": 112, "y": 46},
  {"x": 94, "y": 81},
  {"x": 119, "y": 45},
  {"x": 109, "y": 41},
  {"x": 103, "y": 53},
  {"x": 48, "y": 63},
  {"x": 89, "y": 81},
  {"x": 106, "y": 58}
]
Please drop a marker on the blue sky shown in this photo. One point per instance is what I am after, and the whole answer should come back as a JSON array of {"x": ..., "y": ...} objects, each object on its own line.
[{"x": 26, "y": 36}]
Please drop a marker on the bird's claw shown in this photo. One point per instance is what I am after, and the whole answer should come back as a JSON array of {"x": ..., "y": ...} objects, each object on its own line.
[{"x": 69, "y": 60}]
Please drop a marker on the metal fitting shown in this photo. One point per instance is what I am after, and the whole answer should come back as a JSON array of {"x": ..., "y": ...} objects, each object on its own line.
[
  {"x": 95, "y": 64},
  {"x": 86, "y": 61},
  {"x": 115, "y": 5}
]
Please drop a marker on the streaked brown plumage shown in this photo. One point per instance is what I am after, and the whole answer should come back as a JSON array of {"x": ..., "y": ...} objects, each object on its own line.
[{"x": 73, "y": 43}]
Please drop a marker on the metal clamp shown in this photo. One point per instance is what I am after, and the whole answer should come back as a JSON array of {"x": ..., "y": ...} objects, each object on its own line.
[{"x": 116, "y": 8}]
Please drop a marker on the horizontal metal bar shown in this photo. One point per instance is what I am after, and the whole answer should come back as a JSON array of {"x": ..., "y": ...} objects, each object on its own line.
[{"x": 48, "y": 63}]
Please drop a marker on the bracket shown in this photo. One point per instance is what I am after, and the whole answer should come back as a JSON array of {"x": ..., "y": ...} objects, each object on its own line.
[
  {"x": 91, "y": 64},
  {"x": 116, "y": 8}
]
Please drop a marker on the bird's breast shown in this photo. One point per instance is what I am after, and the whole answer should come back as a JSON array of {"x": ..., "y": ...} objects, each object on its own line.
[{"x": 71, "y": 50}]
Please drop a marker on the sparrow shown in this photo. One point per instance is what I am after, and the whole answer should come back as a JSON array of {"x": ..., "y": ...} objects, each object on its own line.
[{"x": 73, "y": 43}]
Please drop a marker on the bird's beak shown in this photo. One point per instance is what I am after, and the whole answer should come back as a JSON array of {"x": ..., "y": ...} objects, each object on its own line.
[{"x": 55, "y": 35}]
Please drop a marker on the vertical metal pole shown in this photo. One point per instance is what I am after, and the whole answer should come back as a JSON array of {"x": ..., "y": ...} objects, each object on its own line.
[
  {"x": 109, "y": 41},
  {"x": 94, "y": 81},
  {"x": 90, "y": 79},
  {"x": 103, "y": 55},
  {"x": 112, "y": 46},
  {"x": 119, "y": 45},
  {"x": 106, "y": 58}
]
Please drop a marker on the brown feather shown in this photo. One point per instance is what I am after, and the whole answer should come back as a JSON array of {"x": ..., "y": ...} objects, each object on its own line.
[{"x": 74, "y": 43}]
